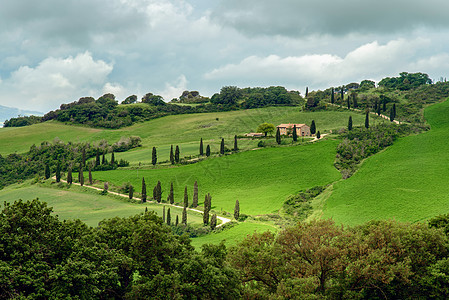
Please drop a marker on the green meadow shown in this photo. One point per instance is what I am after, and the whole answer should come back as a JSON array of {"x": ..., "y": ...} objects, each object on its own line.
[{"x": 409, "y": 181}]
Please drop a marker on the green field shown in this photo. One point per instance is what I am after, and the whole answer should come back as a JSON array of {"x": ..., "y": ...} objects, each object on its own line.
[
  {"x": 260, "y": 179},
  {"x": 85, "y": 204},
  {"x": 409, "y": 181}
]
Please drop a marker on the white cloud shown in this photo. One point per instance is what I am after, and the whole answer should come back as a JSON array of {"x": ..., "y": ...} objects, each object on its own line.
[{"x": 174, "y": 90}]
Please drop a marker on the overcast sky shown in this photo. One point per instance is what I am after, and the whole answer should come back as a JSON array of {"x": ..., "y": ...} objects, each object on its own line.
[{"x": 54, "y": 51}]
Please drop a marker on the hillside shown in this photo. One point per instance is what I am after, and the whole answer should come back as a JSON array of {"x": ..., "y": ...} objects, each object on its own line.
[{"x": 406, "y": 182}]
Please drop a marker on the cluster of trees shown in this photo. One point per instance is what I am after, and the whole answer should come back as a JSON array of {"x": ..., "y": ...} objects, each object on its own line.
[
  {"x": 22, "y": 121},
  {"x": 405, "y": 81}
]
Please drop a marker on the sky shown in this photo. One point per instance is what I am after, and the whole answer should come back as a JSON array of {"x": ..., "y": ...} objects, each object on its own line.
[{"x": 54, "y": 52}]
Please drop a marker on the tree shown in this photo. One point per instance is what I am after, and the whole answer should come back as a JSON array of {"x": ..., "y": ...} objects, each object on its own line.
[
  {"x": 394, "y": 110},
  {"x": 184, "y": 216},
  {"x": 144, "y": 190},
  {"x": 97, "y": 157},
  {"x": 47, "y": 171},
  {"x": 294, "y": 133},
  {"x": 83, "y": 157},
  {"x": 213, "y": 221},
  {"x": 154, "y": 156},
  {"x": 228, "y": 96},
  {"x": 207, "y": 208},
  {"x": 208, "y": 151},
  {"x": 69, "y": 175},
  {"x": 391, "y": 115},
  {"x": 313, "y": 127},
  {"x": 158, "y": 192},
  {"x": 81, "y": 176},
  {"x": 131, "y": 192},
  {"x": 384, "y": 105},
  {"x": 112, "y": 158},
  {"x": 307, "y": 91},
  {"x": 103, "y": 158},
  {"x": 168, "y": 217},
  {"x": 367, "y": 120},
  {"x": 354, "y": 100},
  {"x": 130, "y": 99},
  {"x": 332, "y": 96},
  {"x": 163, "y": 214},
  {"x": 90, "y": 175},
  {"x": 177, "y": 220},
  {"x": 278, "y": 136},
  {"x": 367, "y": 84},
  {"x": 378, "y": 110},
  {"x": 177, "y": 154},
  {"x": 348, "y": 103},
  {"x": 318, "y": 135},
  {"x": 155, "y": 100},
  {"x": 186, "y": 197},
  {"x": 201, "y": 147},
  {"x": 222, "y": 147},
  {"x": 58, "y": 172},
  {"x": 342, "y": 94},
  {"x": 350, "y": 123},
  {"x": 236, "y": 148},
  {"x": 171, "y": 196},
  {"x": 195, "y": 194},
  {"x": 237, "y": 210},
  {"x": 266, "y": 128},
  {"x": 172, "y": 157}
]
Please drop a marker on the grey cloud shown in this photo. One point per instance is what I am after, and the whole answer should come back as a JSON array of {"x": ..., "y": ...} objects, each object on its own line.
[{"x": 299, "y": 18}]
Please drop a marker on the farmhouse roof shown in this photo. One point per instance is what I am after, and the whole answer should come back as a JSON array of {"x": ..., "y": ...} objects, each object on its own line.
[{"x": 290, "y": 125}]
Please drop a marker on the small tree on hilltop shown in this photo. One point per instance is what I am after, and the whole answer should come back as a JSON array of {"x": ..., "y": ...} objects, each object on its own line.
[
  {"x": 208, "y": 151},
  {"x": 201, "y": 147},
  {"x": 313, "y": 127},
  {"x": 154, "y": 156},
  {"x": 237, "y": 210},
  {"x": 222, "y": 147},
  {"x": 177, "y": 154},
  {"x": 172, "y": 156},
  {"x": 367, "y": 120},
  {"x": 294, "y": 133},
  {"x": 350, "y": 123},
  {"x": 47, "y": 171},
  {"x": 195, "y": 195},
  {"x": 278, "y": 136},
  {"x": 144, "y": 190}
]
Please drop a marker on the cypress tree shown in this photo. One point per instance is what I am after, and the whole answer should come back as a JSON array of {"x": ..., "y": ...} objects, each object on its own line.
[
  {"x": 154, "y": 157},
  {"x": 177, "y": 154},
  {"x": 201, "y": 147},
  {"x": 332, "y": 96},
  {"x": 159, "y": 191},
  {"x": 342, "y": 93},
  {"x": 131, "y": 192},
  {"x": 354, "y": 100},
  {"x": 213, "y": 221},
  {"x": 349, "y": 104},
  {"x": 367, "y": 120},
  {"x": 236, "y": 148},
  {"x": 391, "y": 115},
  {"x": 103, "y": 158},
  {"x": 177, "y": 221},
  {"x": 90, "y": 175},
  {"x": 278, "y": 136},
  {"x": 144, "y": 190},
  {"x": 318, "y": 135},
  {"x": 69, "y": 175},
  {"x": 313, "y": 127},
  {"x": 171, "y": 196},
  {"x": 294, "y": 133},
  {"x": 307, "y": 91},
  {"x": 208, "y": 151},
  {"x": 97, "y": 157},
  {"x": 186, "y": 197},
  {"x": 384, "y": 106},
  {"x": 168, "y": 217},
  {"x": 184, "y": 216},
  {"x": 378, "y": 110},
  {"x": 237, "y": 210},
  {"x": 172, "y": 157},
  {"x": 163, "y": 214},
  {"x": 58, "y": 172},
  {"x": 222, "y": 147},
  {"x": 112, "y": 158},
  {"x": 195, "y": 195},
  {"x": 207, "y": 207},
  {"x": 81, "y": 175},
  {"x": 47, "y": 171},
  {"x": 350, "y": 123},
  {"x": 394, "y": 110}
]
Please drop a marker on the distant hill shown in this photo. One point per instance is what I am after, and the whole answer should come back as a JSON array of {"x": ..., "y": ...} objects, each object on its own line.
[{"x": 7, "y": 113}]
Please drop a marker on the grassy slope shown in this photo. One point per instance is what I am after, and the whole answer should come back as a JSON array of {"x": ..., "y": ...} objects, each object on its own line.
[
  {"x": 407, "y": 182},
  {"x": 260, "y": 179},
  {"x": 86, "y": 205}
]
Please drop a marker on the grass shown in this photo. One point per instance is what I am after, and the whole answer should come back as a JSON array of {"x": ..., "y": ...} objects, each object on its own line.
[
  {"x": 407, "y": 182},
  {"x": 260, "y": 179},
  {"x": 84, "y": 204}
]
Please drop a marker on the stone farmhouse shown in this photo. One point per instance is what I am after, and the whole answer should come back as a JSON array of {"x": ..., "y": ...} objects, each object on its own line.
[{"x": 301, "y": 129}]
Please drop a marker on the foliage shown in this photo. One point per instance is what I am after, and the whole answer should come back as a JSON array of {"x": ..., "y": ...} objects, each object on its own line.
[
  {"x": 266, "y": 128},
  {"x": 406, "y": 81},
  {"x": 22, "y": 121},
  {"x": 299, "y": 205}
]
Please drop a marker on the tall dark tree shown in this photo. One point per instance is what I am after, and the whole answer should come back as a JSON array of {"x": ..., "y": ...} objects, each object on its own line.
[
  {"x": 236, "y": 148},
  {"x": 168, "y": 217},
  {"x": 313, "y": 127},
  {"x": 154, "y": 156},
  {"x": 177, "y": 154},
  {"x": 184, "y": 216},
  {"x": 213, "y": 221},
  {"x": 294, "y": 133},
  {"x": 186, "y": 197},
  {"x": 378, "y": 110},
  {"x": 384, "y": 105},
  {"x": 354, "y": 100},
  {"x": 278, "y": 136},
  {"x": 348, "y": 103},
  {"x": 47, "y": 171},
  {"x": 103, "y": 158},
  {"x": 112, "y": 159},
  {"x": 332, "y": 96},
  {"x": 58, "y": 172},
  {"x": 159, "y": 191},
  {"x": 81, "y": 176},
  {"x": 131, "y": 192},
  {"x": 172, "y": 156},
  {"x": 97, "y": 157},
  {"x": 237, "y": 210},
  {"x": 222, "y": 146},
  {"x": 163, "y": 214},
  {"x": 171, "y": 195},
  {"x": 90, "y": 175},
  {"x": 177, "y": 220},
  {"x": 144, "y": 190},
  {"x": 350, "y": 123},
  {"x": 195, "y": 195},
  {"x": 342, "y": 94},
  {"x": 394, "y": 110},
  {"x": 391, "y": 115},
  {"x": 201, "y": 147},
  {"x": 69, "y": 175},
  {"x": 207, "y": 208},
  {"x": 318, "y": 135},
  {"x": 307, "y": 91},
  {"x": 367, "y": 120},
  {"x": 208, "y": 150}
]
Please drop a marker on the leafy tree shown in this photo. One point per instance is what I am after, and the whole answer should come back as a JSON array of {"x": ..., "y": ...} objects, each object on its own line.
[
  {"x": 47, "y": 171},
  {"x": 195, "y": 194},
  {"x": 318, "y": 135},
  {"x": 154, "y": 156},
  {"x": 172, "y": 157},
  {"x": 384, "y": 105},
  {"x": 228, "y": 96},
  {"x": 208, "y": 151},
  {"x": 278, "y": 136},
  {"x": 294, "y": 133},
  {"x": 186, "y": 197},
  {"x": 184, "y": 216},
  {"x": 236, "y": 148},
  {"x": 144, "y": 190},
  {"x": 213, "y": 221},
  {"x": 367, "y": 120},
  {"x": 131, "y": 192},
  {"x": 350, "y": 123},
  {"x": 69, "y": 175},
  {"x": 171, "y": 195},
  {"x": 266, "y": 128},
  {"x": 130, "y": 100},
  {"x": 201, "y": 147},
  {"x": 58, "y": 172},
  {"x": 155, "y": 100},
  {"x": 177, "y": 154},
  {"x": 313, "y": 127},
  {"x": 222, "y": 147},
  {"x": 237, "y": 210},
  {"x": 367, "y": 84}
]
